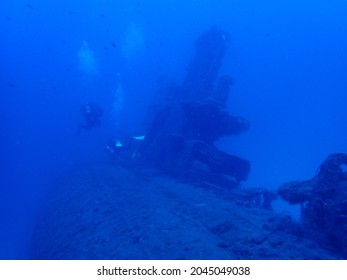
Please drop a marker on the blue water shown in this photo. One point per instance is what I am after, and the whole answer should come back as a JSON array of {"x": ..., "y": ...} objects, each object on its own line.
[{"x": 287, "y": 58}]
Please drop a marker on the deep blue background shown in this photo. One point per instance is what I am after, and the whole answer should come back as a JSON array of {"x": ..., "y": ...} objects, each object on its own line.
[{"x": 287, "y": 58}]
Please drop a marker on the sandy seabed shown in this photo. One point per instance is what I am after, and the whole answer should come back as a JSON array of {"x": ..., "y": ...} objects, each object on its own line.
[{"x": 106, "y": 211}]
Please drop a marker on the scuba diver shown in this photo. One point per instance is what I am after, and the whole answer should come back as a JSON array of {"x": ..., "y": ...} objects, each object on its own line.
[
  {"x": 127, "y": 147},
  {"x": 91, "y": 113}
]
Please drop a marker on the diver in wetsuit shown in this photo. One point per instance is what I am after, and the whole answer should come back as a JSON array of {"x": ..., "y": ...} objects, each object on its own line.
[{"x": 91, "y": 113}]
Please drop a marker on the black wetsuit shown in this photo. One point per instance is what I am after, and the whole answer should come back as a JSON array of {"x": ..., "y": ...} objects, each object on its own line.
[{"x": 91, "y": 113}]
